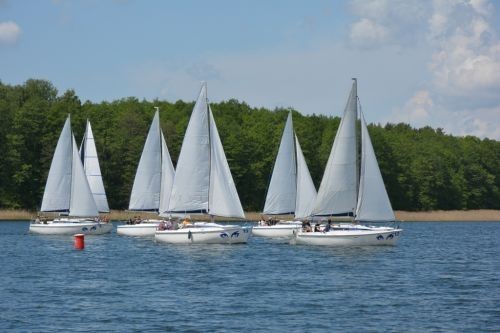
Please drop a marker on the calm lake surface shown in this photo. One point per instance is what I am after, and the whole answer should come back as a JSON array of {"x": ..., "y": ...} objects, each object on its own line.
[{"x": 441, "y": 277}]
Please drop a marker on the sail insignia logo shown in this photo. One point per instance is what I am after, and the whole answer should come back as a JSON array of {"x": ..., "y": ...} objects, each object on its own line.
[{"x": 235, "y": 234}]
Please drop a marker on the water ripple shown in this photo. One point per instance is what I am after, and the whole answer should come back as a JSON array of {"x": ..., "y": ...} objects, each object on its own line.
[{"x": 442, "y": 277}]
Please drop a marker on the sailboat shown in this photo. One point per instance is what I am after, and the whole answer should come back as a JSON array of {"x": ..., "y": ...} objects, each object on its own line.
[
  {"x": 68, "y": 193},
  {"x": 350, "y": 192},
  {"x": 203, "y": 184},
  {"x": 291, "y": 189},
  {"x": 88, "y": 155},
  {"x": 152, "y": 183}
]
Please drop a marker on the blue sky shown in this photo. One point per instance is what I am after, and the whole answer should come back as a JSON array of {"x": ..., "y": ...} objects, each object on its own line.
[{"x": 433, "y": 62}]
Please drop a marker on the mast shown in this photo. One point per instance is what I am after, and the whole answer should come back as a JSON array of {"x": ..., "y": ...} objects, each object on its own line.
[
  {"x": 71, "y": 164},
  {"x": 83, "y": 146},
  {"x": 209, "y": 148},
  {"x": 157, "y": 110},
  {"x": 356, "y": 138}
]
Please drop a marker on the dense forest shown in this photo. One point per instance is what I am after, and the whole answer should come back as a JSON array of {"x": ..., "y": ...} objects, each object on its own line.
[{"x": 423, "y": 169}]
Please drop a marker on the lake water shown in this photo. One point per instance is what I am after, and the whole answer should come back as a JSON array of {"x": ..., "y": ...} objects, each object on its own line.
[{"x": 441, "y": 277}]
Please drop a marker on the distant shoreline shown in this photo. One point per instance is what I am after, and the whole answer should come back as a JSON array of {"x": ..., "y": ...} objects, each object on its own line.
[{"x": 430, "y": 216}]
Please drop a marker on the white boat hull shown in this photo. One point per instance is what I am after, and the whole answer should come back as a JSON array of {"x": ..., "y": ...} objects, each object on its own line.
[
  {"x": 147, "y": 229},
  {"x": 276, "y": 231},
  {"x": 349, "y": 237},
  {"x": 70, "y": 228},
  {"x": 205, "y": 235}
]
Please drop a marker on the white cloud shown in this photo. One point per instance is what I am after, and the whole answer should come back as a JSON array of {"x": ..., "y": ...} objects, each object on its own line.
[
  {"x": 461, "y": 92},
  {"x": 479, "y": 122},
  {"x": 483, "y": 7},
  {"x": 416, "y": 111},
  {"x": 456, "y": 43},
  {"x": 465, "y": 66},
  {"x": 466, "y": 60},
  {"x": 366, "y": 33},
  {"x": 387, "y": 22},
  {"x": 9, "y": 32}
]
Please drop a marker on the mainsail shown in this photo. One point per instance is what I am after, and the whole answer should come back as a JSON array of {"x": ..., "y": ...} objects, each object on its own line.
[
  {"x": 337, "y": 193},
  {"x": 281, "y": 195}
]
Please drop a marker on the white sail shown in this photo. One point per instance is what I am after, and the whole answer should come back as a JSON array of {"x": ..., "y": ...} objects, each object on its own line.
[
  {"x": 82, "y": 201},
  {"x": 373, "y": 201},
  {"x": 57, "y": 192},
  {"x": 203, "y": 181},
  {"x": 337, "y": 193},
  {"x": 146, "y": 189},
  {"x": 167, "y": 176},
  {"x": 67, "y": 188},
  {"x": 223, "y": 199},
  {"x": 281, "y": 195},
  {"x": 306, "y": 192},
  {"x": 88, "y": 154},
  {"x": 192, "y": 177}
]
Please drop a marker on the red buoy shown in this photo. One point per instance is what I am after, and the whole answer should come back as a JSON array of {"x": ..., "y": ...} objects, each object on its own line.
[{"x": 79, "y": 241}]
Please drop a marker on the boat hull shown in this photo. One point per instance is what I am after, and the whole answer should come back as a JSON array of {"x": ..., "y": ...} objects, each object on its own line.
[
  {"x": 349, "y": 237},
  {"x": 147, "y": 229},
  {"x": 70, "y": 228},
  {"x": 276, "y": 231},
  {"x": 205, "y": 235}
]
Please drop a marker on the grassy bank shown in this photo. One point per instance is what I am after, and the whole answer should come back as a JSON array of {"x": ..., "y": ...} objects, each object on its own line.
[{"x": 439, "y": 215}]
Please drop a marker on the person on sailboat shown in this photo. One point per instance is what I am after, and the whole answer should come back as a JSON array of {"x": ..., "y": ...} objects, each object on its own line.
[
  {"x": 306, "y": 226},
  {"x": 317, "y": 227},
  {"x": 186, "y": 222},
  {"x": 328, "y": 226},
  {"x": 168, "y": 225},
  {"x": 263, "y": 221}
]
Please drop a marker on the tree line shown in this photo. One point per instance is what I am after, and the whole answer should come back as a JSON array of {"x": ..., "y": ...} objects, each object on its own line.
[{"x": 423, "y": 169}]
